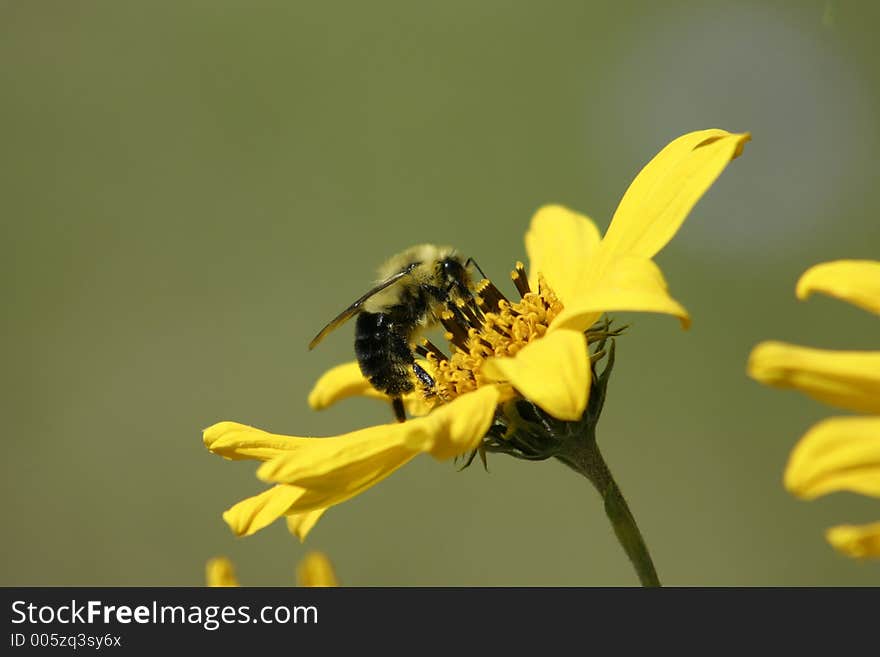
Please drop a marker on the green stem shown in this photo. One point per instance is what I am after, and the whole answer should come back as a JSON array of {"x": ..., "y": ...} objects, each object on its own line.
[{"x": 584, "y": 457}]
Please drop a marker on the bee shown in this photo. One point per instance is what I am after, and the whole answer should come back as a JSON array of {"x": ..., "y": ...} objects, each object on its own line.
[{"x": 414, "y": 288}]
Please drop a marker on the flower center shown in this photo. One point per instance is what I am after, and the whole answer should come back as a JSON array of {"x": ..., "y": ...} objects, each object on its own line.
[{"x": 487, "y": 326}]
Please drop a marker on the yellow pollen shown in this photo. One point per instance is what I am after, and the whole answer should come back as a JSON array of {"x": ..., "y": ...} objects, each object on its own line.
[{"x": 494, "y": 328}]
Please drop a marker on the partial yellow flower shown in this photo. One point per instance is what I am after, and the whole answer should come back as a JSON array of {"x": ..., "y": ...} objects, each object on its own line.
[
  {"x": 315, "y": 569},
  {"x": 534, "y": 348},
  {"x": 842, "y": 453},
  {"x": 855, "y": 281},
  {"x": 856, "y": 541},
  {"x": 846, "y": 379},
  {"x": 219, "y": 571}
]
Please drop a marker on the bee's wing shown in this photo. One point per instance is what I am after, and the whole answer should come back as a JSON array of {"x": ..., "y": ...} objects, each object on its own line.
[{"x": 355, "y": 307}]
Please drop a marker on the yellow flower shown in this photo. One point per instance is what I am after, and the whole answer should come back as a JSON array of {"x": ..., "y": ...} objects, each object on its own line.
[
  {"x": 315, "y": 569},
  {"x": 841, "y": 453},
  {"x": 534, "y": 348}
]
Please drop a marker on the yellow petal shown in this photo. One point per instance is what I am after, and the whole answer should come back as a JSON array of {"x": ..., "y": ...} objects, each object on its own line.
[
  {"x": 854, "y": 281},
  {"x": 552, "y": 371},
  {"x": 219, "y": 571},
  {"x": 300, "y": 524},
  {"x": 847, "y": 379},
  {"x": 459, "y": 426},
  {"x": 625, "y": 284},
  {"x": 235, "y": 441},
  {"x": 560, "y": 243},
  {"x": 838, "y": 454},
  {"x": 349, "y": 482},
  {"x": 858, "y": 541},
  {"x": 341, "y": 461},
  {"x": 240, "y": 441},
  {"x": 661, "y": 196},
  {"x": 339, "y": 383},
  {"x": 254, "y": 513},
  {"x": 316, "y": 570},
  {"x": 346, "y": 380}
]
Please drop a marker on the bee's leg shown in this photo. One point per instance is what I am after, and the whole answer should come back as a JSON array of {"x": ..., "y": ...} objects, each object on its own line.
[
  {"x": 424, "y": 378},
  {"x": 399, "y": 410}
]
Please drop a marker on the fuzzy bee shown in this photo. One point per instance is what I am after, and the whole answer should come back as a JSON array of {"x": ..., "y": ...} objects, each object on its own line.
[{"x": 414, "y": 288}]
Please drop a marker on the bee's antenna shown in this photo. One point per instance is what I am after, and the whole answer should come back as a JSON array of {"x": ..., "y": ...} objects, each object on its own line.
[{"x": 471, "y": 261}]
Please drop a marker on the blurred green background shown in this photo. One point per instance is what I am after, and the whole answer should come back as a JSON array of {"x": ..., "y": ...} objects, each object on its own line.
[{"x": 191, "y": 189}]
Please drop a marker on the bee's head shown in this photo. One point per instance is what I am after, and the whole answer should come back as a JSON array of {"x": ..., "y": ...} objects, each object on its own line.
[{"x": 455, "y": 274}]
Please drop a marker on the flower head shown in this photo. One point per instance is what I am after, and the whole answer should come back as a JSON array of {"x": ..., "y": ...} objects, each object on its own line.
[
  {"x": 534, "y": 349},
  {"x": 841, "y": 453}
]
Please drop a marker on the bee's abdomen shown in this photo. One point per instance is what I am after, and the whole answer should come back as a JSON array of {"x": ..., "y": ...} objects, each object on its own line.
[{"x": 382, "y": 347}]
